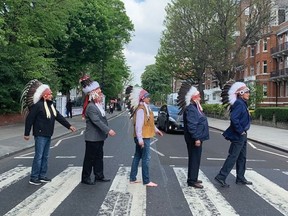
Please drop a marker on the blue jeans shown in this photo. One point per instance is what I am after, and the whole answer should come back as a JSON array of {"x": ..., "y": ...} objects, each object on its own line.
[
  {"x": 40, "y": 161},
  {"x": 144, "y": 154},
  {"x": 237, "y": 154}
]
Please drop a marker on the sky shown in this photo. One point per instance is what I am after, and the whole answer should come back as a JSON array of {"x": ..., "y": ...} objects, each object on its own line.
[{"x": 147, "y": 17}]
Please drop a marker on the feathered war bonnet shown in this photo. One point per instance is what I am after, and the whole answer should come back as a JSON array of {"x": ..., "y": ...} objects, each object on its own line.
[
  {"x": 31, "y": 94},
  {"x": 231, "y": 90},
  {"x": 136, "y": 96},
  {"x": 186, "y": 91},
  {"x": 88, "y": 87}
]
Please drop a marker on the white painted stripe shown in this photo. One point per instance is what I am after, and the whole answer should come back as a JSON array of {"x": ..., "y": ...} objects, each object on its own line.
[
  {"x": 65, "y": 157},
  {"x": 157, "y": 152},
  {"x": 267, "y": 190},
  {"x": 45, "y": 200},
  {"x": 222, "y": 159},
  {"x": 204, "y": 202},
  {"x": 20, "y": 157},
  {"x": 124, "y": 198},
  {"x": 269, "y": 152},
  {"x": 10, "y": 177},
  {"x": 173, "y": 157},
  {"x": 286, "y": 173}
]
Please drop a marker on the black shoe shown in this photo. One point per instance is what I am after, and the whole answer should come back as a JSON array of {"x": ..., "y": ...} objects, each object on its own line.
[
  {"x": 35, "y": 182},
  {"x": 244, "y": 182},
  {"x": 88, "y": 182},
  {"x": 102, "y": 180},
  {"x": 44, "y": 179},
  {"x": 195, "y": 185},
  {"x": 222, "y": 182}
]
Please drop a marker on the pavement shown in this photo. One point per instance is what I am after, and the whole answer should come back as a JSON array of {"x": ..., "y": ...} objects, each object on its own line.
[{"x": 12, "y": 141}]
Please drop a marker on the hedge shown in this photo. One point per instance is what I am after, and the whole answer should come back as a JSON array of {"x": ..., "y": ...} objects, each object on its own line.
[{"x": 280, "y": 113}]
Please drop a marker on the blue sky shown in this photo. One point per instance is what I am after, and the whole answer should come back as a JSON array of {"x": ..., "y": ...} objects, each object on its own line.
[{"x": 147, "y": 17}]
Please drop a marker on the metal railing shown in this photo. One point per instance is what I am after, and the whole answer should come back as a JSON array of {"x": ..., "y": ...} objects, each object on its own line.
[
  {"x": 278, "y": 73},
  {"x": 280, "y": 48}
]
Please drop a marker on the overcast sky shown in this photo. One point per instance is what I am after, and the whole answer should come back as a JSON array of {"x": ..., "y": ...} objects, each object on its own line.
[{"x": 147, "y": 17}]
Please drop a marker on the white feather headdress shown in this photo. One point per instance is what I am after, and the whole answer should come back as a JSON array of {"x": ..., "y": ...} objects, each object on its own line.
[
  {"x": 31, "y": 94},
  {"x": 185, "y": 93}
]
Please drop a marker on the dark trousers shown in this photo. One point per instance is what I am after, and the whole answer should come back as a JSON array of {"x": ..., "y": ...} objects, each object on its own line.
[
  {"x": 93, "y": 159},
  {"x": 194, "y": 159},
  {"x": 237, "y": 154}
]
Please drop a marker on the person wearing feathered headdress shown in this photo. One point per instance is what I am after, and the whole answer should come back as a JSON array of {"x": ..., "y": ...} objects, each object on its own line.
[
  {"x": 144, "y": 130},
  {"x": 37, "y": 106},
  {"x": 236, "y": 95},
  {"x": 195, "y": 129},
  {"x": 97, "y": 130}
]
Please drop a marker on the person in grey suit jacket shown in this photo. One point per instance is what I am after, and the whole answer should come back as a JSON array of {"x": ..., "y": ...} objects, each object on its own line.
[{"x": 97, "y": 130}]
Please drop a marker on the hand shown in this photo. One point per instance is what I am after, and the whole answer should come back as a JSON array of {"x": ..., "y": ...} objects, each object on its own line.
[
  {"x": 111, "y": 133},
  {"x": 73, "y": 129},
  {"x": 26, "y": 137},
  {"x": 197, "y": 143},
  {"x": 159, "y": 133},
  {"x": 141, "y": 144}
]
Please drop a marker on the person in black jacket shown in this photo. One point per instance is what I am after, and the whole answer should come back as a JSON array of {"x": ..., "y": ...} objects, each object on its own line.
[
  {"x": 195, "y": 130},
  {"x": 37, "y": 102}
]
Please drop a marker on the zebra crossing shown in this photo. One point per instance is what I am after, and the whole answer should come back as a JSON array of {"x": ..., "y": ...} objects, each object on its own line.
[{"x": 124, "y": 198}]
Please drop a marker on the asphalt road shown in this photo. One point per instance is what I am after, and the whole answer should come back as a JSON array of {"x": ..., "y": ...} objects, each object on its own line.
[{"x": 65, "y": 195}]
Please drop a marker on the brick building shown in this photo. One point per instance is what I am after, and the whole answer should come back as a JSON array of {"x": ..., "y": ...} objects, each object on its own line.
[{"x": 266, "y": 62}]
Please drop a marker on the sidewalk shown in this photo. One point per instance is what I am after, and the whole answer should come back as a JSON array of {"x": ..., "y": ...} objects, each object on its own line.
[
  {"x": 12, "y": 141},
  {"x": 273, "y": 137},
  {"x": 11, "y": 136}
]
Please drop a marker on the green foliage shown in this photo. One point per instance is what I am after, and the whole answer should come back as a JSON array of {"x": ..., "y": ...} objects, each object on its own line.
[
  {"x": 156, "y": 82},
  {"x": 256, "y": 95},
  {"x": 56, "y": 42},
  {"x": 214, "y": 109},
  {"x": 267, "y": 113}
]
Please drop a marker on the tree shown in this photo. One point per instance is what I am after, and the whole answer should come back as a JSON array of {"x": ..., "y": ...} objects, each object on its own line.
[
  {"x": 96, "y": 31},
  {"x": 27, "y": 32},
  {"x": 156, "y": 82},
  {"x": 184, "y": 44},
  {"x": 194, "y": 40}
]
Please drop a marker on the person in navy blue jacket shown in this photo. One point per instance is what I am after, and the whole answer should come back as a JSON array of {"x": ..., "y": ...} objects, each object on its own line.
[
  {"x": 236, "y": 133},
  {"x": 195, "y": 131}
]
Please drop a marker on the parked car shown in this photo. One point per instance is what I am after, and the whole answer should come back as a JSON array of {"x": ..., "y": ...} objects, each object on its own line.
[
  {"x": 155, "y": 110},
  {"x": 169, "y": 120}
]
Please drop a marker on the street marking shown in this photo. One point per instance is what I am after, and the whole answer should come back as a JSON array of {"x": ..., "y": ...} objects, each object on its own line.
[
  {"x": 48, "y": 197},
  {"x": 207, "y": 201},
  {"x": 124, "y": 198},
  {"x": 269, "y": 152},
  {"x": 172, "y": 157},
  {"x": 157, "y": 152},
  {"x": 286, "y": 173},
  {"x": 59, "y": 141},
  {"x": 20, "y": 157},
  {"x": 65, "y": 157},
  {"x": 222, "y": 159},
  {"x": 10, "y": 177},
  {"x": 267, "y": 190}
]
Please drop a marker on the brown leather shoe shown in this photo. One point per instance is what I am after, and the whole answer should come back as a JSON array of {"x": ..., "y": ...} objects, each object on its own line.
[{"x": 195, "y": 185}]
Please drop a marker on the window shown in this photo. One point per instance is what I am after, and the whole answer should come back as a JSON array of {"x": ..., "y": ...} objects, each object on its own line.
[
  {"x": 264, "y": 67},
  {"x": 251, "y": 70},
  {"x": 265, "y": 45},
  {"x": 258, "y": 68},
  {"x": 281, "y": 89},
  {"x": 247, "y": 11},
  {"x": 252, "y": 51},
  {"x": 264, "y": 90},
  {"x": 258, "y": 46}
]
